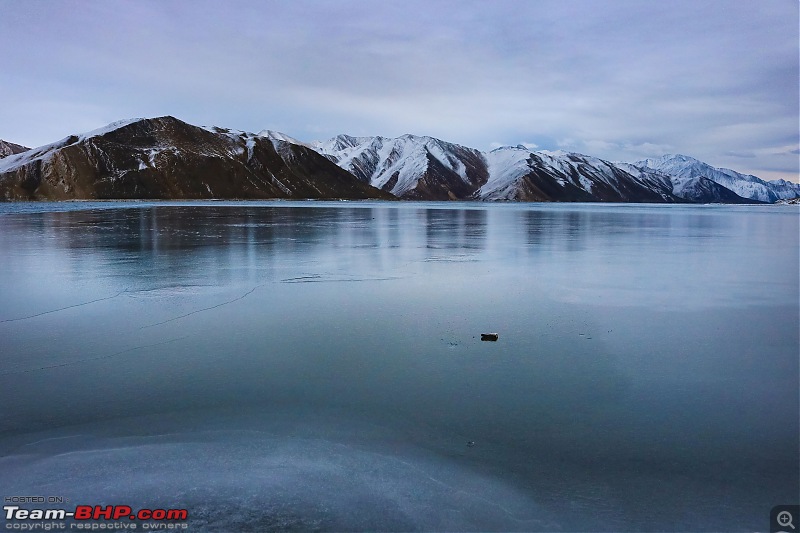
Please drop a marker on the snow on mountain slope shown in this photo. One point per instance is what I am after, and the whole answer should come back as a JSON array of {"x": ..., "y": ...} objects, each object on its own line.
[
  {"x": 415, "y": 167},
  {"x": 784, "y": 189},
  {"x": 44, "y": 153},
  {"x": 647, "y": 176},
  {"x": 506, "y": 167},
  {"x": 282, "y": 137},
  {"x": 426, "y": 168},
  {"x": 699, "y": 189},
  {"x": 7, "y": 148},
  {"x": 245, "y": 142},
  {"x": 409, "y": 166},
  {"x": 516, "y": 173},
  {"x": 744, "y": 185}
]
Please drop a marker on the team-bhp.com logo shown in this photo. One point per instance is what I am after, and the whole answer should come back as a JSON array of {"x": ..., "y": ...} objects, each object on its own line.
[{"x": 94, "y": 517}]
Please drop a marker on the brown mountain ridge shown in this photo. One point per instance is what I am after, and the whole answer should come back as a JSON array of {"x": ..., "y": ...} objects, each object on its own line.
[{"x": 165, "y": 158}]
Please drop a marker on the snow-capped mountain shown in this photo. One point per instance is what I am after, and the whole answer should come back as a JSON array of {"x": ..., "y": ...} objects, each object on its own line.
[
  {"x": 516, "y": 173},
  {"x": 426, "y": 168},
  {"x": 747, "y": 186},
  {"x": 409, "y": 167},
  {"x": 700, "y": 189},
  {"x": 7, "y": 148},
  {"x": 170, "y": 159}
]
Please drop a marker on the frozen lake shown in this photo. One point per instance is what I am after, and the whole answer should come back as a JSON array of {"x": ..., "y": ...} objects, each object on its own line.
[{"x": 318, "y": 366}]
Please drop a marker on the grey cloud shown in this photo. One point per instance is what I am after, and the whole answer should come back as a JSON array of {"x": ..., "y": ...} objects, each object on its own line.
[{"x": 620, "y": 78}]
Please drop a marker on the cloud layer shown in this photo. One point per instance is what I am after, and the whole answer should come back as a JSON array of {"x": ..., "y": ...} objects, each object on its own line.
[{"x": 618, "y": 79}]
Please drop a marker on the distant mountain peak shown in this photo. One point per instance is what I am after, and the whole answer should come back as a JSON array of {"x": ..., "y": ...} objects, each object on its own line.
[
  {"x": 519, "y": 147},
  {"x": 677, "y": 157},
  {"x": 745, "y": 185}
]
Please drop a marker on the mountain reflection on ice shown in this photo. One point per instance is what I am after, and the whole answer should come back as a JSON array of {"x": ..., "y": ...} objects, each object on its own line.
[{"x": 319, "y": 365}]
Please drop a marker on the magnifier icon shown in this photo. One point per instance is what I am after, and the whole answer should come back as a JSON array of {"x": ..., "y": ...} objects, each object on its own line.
[{"x": 785, "y": 519}]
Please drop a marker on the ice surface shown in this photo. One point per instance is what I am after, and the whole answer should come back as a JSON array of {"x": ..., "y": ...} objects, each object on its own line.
[
  {"x": 266, "y": 471},
  {"x": 278, "y": 365}
]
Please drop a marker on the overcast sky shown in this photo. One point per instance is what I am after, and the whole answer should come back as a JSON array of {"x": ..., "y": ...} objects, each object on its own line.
[{"x": 617, "y": 79}]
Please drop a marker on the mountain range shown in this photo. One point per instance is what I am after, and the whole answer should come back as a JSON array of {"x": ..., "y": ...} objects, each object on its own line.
[
  {"x": 170, "y": 159},
  {"x": 165, "y": 158},
  {"x": 413, "y": 167}
]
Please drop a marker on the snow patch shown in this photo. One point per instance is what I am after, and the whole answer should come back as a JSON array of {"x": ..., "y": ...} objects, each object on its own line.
[
  {"x": 586, "y": 184},
  {"x": 108, "y": 129},
  {"x": 278, "y": 136},
  {"x": 506, "y": 166}
]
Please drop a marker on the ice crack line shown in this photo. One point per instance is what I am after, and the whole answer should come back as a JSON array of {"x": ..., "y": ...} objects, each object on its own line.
[
  {"x": 204, "y": 309},
  {"x": 63, "y": 308},
  {"x": 108, "y": 356},
  {"x": 301, "y": 278},
  {"x": 320, "y": 279}
]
